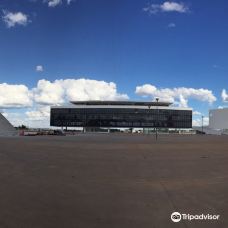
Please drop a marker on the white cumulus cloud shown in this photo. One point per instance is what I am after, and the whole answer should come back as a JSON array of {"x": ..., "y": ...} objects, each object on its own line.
[
  {"x": 167, "y": 6},
  {"x": 86, "y": 89},
  {"x": 38, "y": 114},
  {"x": 58, "y": 92},
  {"x": 48, "y": 93},
  {"x": 14, "y": 96},
  {"x": 54, "y": 3},
  {"x": 183, "y": 102},
  {"x": 174, "y": 6},
  {"x": 14, "y": 18},
  {"x": 66, "y": 90},
  {"x": 224, "y": 96},
  {"x": 197, "y": 113},
  {"x": 39, "y": 68},
  {"x": 177, "y": 95},
  {"x": 198, "y": 122}
]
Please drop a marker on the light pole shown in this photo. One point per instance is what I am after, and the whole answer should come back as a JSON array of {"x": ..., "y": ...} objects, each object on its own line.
[
  {"x": 202, "y": 124},
  {"x": 84, "y": 127},
  {"x": 148, "y": 119},
  {"x": 157, "y": 99}
]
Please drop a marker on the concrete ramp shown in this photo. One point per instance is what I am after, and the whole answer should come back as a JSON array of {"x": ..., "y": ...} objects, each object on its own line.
[{"x": 6, "y": 128}]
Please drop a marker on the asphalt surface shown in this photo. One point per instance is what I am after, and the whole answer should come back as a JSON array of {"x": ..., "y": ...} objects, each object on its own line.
[{"x": 112, "y": 181}]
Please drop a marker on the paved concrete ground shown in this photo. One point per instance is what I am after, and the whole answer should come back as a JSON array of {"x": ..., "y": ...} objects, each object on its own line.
[{"x": 112, "y": 181}]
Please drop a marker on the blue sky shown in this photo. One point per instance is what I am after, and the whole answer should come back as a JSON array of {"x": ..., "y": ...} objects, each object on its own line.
[{"x": 167, "y": 44}]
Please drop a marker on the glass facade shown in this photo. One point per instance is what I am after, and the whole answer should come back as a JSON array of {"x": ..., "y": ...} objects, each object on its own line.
[{"x": 120, "y": 117}]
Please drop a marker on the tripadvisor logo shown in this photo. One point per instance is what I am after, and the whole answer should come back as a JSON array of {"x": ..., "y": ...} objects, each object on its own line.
[{"x": 177, "y": 217}]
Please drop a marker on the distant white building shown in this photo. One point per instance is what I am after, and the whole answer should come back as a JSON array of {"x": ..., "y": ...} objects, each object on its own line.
[
  {"x": 218, "y": 119},
  {"x": 6, "y": 129}
]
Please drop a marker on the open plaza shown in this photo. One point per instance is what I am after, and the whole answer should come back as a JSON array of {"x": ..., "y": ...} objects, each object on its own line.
[{"x": 113, "y": 180}]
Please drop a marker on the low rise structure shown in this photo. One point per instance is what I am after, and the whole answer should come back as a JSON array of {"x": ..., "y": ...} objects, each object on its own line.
[{"x": 121, "y": 114}]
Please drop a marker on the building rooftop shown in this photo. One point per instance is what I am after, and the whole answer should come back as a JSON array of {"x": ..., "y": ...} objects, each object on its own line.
[{"x": 135, "y": 103}]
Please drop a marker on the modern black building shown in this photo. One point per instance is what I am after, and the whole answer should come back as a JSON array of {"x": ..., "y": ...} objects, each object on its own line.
[{"x": 121, "y": 114}]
